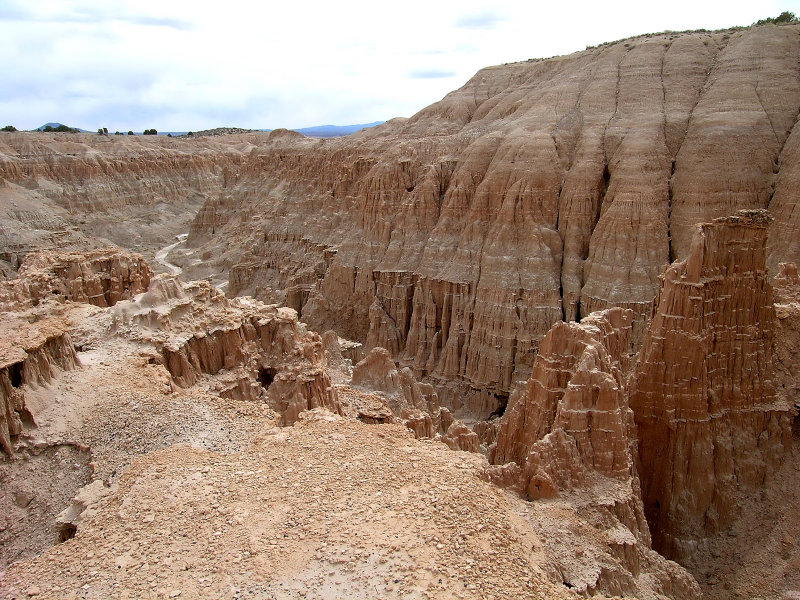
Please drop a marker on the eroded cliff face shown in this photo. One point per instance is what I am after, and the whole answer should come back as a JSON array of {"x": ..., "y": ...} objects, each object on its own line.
[
  {"x": 710, "y": 424},
  {"x": 62, "y": 191},
  {"x": 100, "y": 277},
  {"x": 30, "y": 355},
  {"x": 539, "y": 191},
  {"x": 239, "y": 349},
  {"x": 571, "y": 435}
]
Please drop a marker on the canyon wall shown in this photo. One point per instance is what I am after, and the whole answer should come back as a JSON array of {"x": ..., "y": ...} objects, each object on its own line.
[
  {"x": 60, "y": 190},
  {"x": 30, "y": 355},
  {"x": 570, "y": 435},
  {"x": 540, "y": 191},
  {"x": 710, "y": 424}
]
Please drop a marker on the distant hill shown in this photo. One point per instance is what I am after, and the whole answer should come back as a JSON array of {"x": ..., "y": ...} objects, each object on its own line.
[
  {"x": 59, "y": 127},
  {"x": 324, "y": 131},
  {"x": 319, "y": 131}
]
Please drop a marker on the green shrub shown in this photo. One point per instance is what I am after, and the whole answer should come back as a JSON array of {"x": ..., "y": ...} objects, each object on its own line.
[
  {"x": 9, "y": 128},
  {"x": 785, "y": 17}
]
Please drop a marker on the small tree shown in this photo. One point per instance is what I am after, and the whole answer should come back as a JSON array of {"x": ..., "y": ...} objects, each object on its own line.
[
  {"x": 100, "y": 131},
  {"x": 130, "y": 133},
  {"x": 785, "y": 17},
  {"x": 10, "y": 128}
]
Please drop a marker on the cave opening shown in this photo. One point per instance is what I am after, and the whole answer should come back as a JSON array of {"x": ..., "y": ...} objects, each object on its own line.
[
  {"x": 66, "y": 532},
  {"x": 266, "y": 375},
  {"x": 502, "y": 403},
  {"x": 15, "y": 374}
]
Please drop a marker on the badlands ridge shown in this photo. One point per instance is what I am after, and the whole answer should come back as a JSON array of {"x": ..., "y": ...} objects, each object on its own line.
[{"x": 539, "y": 340}]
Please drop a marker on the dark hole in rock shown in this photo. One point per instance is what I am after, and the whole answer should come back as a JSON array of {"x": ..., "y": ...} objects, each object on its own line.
[
  {"x": 66, "y": 532},
  {"x": 266, "y": 375},
  {"x": 153, "y": 361},
  {"x": 15, "y": 374}
]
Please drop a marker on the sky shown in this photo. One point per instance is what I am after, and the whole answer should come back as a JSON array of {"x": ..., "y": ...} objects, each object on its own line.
[{"x": 177, "y": 65}]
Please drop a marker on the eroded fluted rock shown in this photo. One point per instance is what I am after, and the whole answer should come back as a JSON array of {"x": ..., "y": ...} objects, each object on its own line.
[
  {"x": 570, "y": 435},
  {"x": 709, "y": 422},
  {"x": 786, "y": 286},
  {"x": 30, "y": 355},
  {"x": 573, "y": 417},
  {"x": 100, "y": 277},
  {"x": 240, "y": 348}
]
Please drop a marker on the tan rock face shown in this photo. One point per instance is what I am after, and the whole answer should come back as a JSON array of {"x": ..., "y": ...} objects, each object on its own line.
[
  {"x": 786, "y": 286},
  {"x": 30, "y": 355},
  {"x": 100, "y": 277},
  {"x": 539, "y": 191},
  {"x": 703, "y": 391},
  {"x": 573, "y": 416},
  {"x": 570, "y": 437},
  {"x": 65, "y": 190}
]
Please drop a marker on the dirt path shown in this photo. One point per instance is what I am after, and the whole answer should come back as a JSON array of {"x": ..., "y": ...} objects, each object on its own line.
[{"x": 161, "y": 256}]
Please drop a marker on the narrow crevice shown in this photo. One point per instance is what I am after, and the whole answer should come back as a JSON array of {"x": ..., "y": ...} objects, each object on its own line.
[
  {"x": 769, "y": 119},
  {"x": 66, "y": 532},
  {"x": 670, "y": 191},
  {"x": 15, "y": 374},
  {"x": 266, "y": 375}
]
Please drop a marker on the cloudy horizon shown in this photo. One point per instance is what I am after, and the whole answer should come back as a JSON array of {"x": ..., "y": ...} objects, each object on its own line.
[{"x": 179, "y": 66}]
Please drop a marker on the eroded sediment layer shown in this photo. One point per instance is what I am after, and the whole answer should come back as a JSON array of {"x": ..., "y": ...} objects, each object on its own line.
[
  {"x": 100, "y": 277},
  {"x": 571, "y": 435},
  {"x": 30, "y": 355},
  {"x": 709, "y": 421},
  {"x": 539, "y": 191}
]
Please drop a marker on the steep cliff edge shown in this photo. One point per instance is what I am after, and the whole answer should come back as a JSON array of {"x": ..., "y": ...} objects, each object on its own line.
[
  {"x": 539, "y": 191},
  {"x": 571, "y": 435},
  {"x": 710, "y": 424}
]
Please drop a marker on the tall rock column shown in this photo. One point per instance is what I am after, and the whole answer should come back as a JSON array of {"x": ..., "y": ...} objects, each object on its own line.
[{"x": 709, "y": 424}]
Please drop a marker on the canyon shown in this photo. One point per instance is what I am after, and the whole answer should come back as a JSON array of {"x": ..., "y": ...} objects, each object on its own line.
[{"x": 538, "y": 340}]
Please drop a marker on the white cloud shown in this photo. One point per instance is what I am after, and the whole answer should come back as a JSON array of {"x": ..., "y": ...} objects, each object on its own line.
[{"x": 179, "y": 65}]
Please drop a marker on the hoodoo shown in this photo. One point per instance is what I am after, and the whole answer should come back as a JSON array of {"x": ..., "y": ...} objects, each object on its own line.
[{"x": 709, "y": 422}]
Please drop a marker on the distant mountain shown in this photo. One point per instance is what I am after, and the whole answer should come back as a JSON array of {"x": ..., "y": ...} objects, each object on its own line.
[
  {"x": 59, "y": 127},
  {"x": 323, "y": 131},
  {"x": 319, "y": 131}
]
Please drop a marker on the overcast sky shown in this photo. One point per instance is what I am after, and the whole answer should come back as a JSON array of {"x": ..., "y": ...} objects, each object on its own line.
[{"x": 178, "y": 65}]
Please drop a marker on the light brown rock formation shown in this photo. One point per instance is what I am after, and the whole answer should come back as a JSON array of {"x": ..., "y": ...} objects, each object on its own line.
[
  {"x": 709, "y": 422},
  {"x": 100, "y": 277},
  {"x": 786, "y": 286},
  {"x": 30, "y": 354},
  {"x": 67, "y": 190},
  {"x": 573, "y": 417},
  {"x": 571, "y": 436},
  {"x": 539, "y": 191}
]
